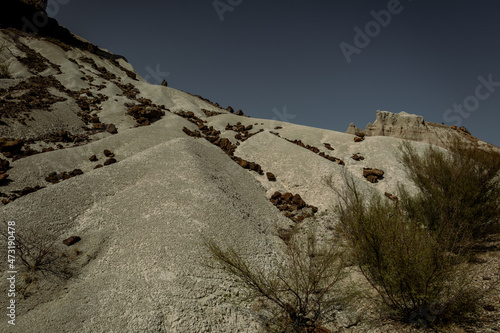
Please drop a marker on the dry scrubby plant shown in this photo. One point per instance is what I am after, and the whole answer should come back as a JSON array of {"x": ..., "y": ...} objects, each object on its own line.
[
  {"x": 300, "y": 295},
  {"x": 4, "y": 64},
  {"x": 415, "y": 252},
  {"x": 39, "y": 256},
  {"x": 459, "y": 191},
  {"x": 417, "y": 279}
]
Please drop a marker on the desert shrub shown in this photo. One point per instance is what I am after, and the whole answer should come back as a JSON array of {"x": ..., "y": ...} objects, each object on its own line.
[
  {"x": 39, "y": 256},
  {"x": 417, "y": 278},
  {"x": 4, "y": 64},
  {"x": 300, "y": 294},
  {"x": 458, "y": 191}
]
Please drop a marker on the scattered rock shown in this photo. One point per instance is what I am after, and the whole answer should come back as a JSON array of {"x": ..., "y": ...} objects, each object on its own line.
[
  {"x": 240, "y": 113},
  {"x": 278, "y": 127},
  {"x": 230, "y": 109},
  {"x": 164, "y": 83},
  {"x": 373, "y": 175},
  {"x": 194, "y": 133},
  {"x": 4, "y": 165},
  {"x": 357, "y": 157},
  {"x": 55, "y": 177},
  {"x": 271, "y": 177},
  {"x": 328, "y": 146},
  {"x": 71, "y": 240},
  {"x": 315, "y": 150},
  {"x": 98, "y": 166},
  {"x": 3, "y": 178},
  {"x": 110, "y": 161},
  {"x": 93, "y": 158},
  {"x": 391, "y": 196},
  {"x": 358, "y": 139},
  {"x": 292, "y": 206},
  {"x": 108, "y": 153},
  {"x": 17, "y": 194},
  {"x": 243, "y": 132},
  {"x": 111, "y": 128},
  {"x": 209, "y": 113}
]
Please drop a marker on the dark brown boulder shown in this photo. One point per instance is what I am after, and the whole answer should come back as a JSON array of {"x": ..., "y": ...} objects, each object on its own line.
[
  {"x": 288, "y": 196},
  {"x": 297, "y": 200},
  {"x": 244, "y": 164},
  {"x": 111, "y": 128},
  {"x": 108, "y": 153},
  {"x": 357, "y": 157},
  {"x": 276, "y": 195},
  {"x": 76, "y": 172},
  {"x": 271, "y": 177},
  {"x": 239, "y": 113},
  {"x": 358, "y": 139},
  {"x": 373, "y": 175},
  {"x": 7, "y": 145},
  {"x": 71, "y": 240},
  {"x": 110, "y": 161},
  {"x": 372, "y": 171},
  {"x": 3, "y": 177},
  {"x": 328, "y": 146},
  {"x": 4, "y": 165},
  {"x": 93, "y": 158}
]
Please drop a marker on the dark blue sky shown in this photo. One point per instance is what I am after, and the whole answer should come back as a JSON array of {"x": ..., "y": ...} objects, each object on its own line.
[{"x": 265, "y": 55}]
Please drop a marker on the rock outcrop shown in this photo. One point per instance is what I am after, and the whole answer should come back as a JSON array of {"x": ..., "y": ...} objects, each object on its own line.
[{"x": 412, "y": 127}]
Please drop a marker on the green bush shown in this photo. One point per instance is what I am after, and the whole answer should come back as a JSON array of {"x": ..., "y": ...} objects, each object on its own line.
[
  {"x": 417, "y": 278},
  {"x": 301, "y": 294}
]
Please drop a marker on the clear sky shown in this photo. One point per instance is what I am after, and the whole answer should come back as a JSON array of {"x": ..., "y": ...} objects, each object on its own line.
[{"x": 318, "y": 63}]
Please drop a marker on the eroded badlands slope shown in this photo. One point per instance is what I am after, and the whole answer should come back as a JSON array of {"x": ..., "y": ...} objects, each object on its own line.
[{"x": 141, "y": 173}]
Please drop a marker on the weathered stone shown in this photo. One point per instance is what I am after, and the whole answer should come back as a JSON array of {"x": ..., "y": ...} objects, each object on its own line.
[
  {"x": 328, "y": 146},
  {"x": 108, "y": 153},
  {"x": 93, "y": 158},
  {"x": 288, "y": 196},
  {"x": 357, "y": 157},
  {"x": 71, "y": 240},
  {"x": 110, "y": 161},
  {"x": 111, "y": 128},
  {"x": 271, "y": 177}
]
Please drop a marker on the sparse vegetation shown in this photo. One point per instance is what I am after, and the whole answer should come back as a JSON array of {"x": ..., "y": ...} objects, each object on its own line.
[
  {"x": 39, "y": 255},
  {"x": 301, "y": 294},
  {"x": 417, "y": 279},
  {"x": 415, "y": 252},
  {"x": 459, "y": 191}
]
